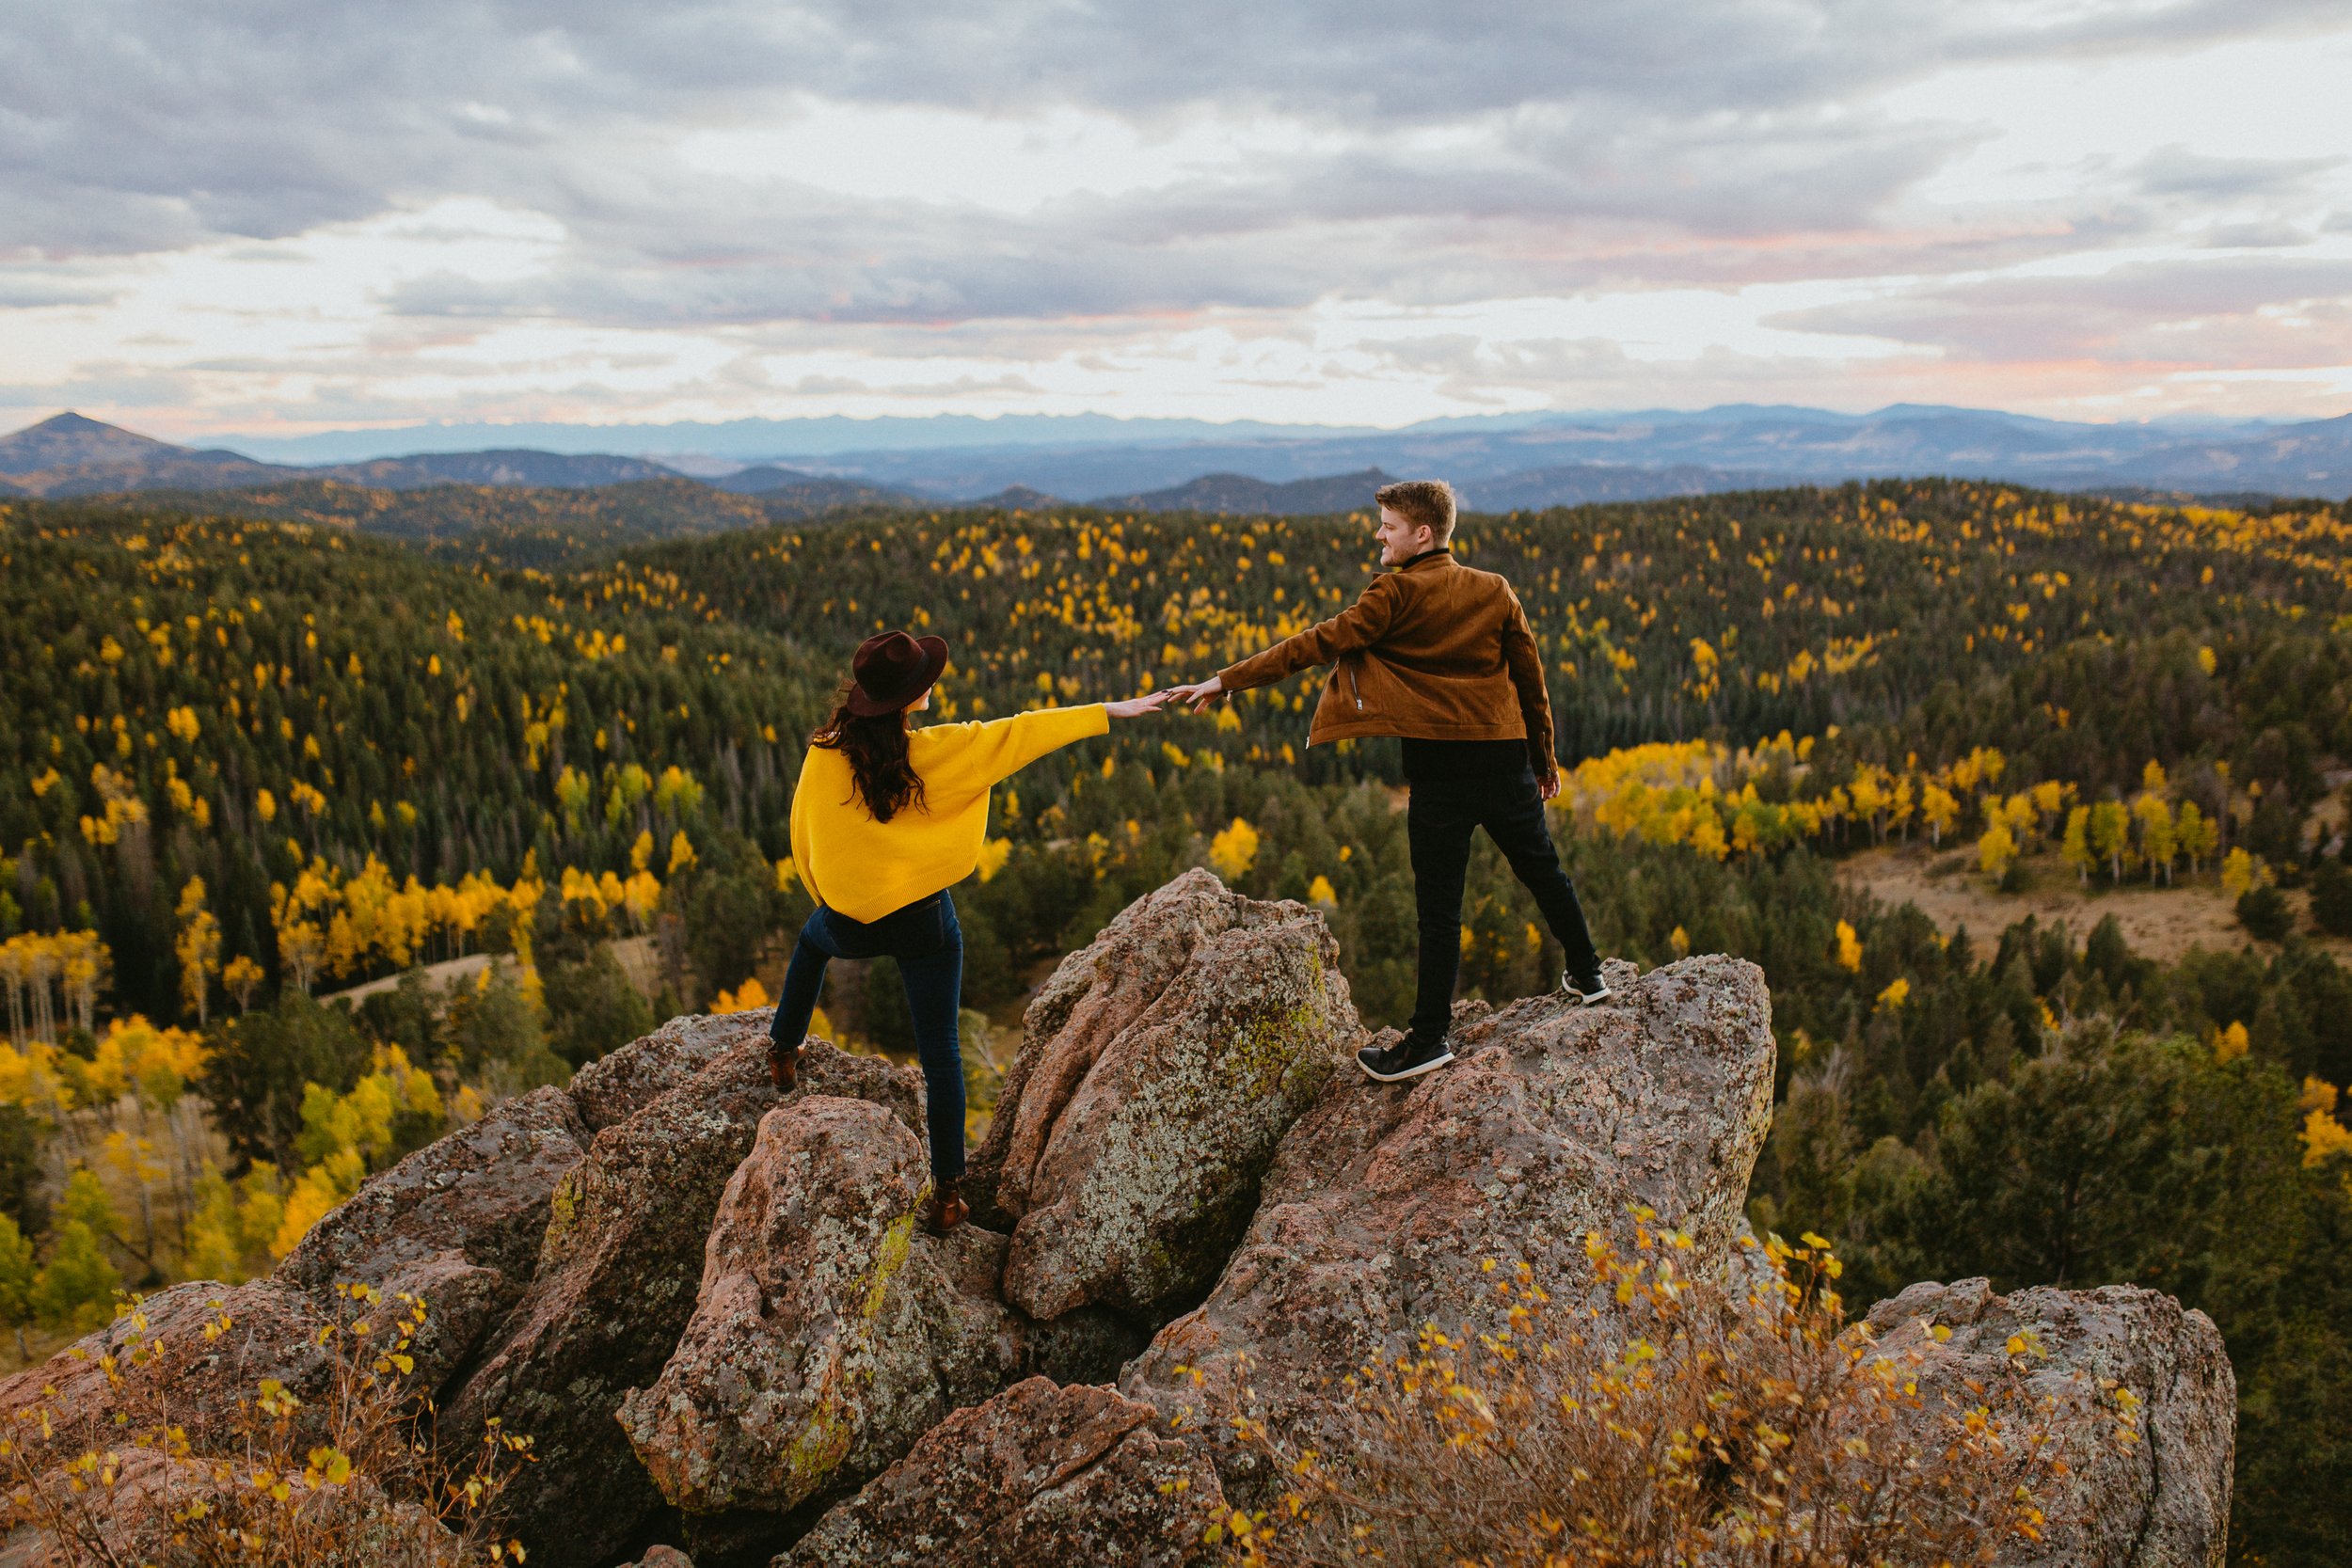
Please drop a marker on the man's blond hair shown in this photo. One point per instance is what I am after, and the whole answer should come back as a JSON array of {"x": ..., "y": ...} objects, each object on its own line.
[{"x": 1423, "y": 504}]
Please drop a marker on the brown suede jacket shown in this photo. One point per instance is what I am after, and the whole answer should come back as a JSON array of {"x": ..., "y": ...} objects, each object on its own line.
[{"x": 1434, "y": 649}]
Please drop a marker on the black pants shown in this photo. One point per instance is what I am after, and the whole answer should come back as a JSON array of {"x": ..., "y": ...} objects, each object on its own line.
[{"x": 1458, "y": 786}]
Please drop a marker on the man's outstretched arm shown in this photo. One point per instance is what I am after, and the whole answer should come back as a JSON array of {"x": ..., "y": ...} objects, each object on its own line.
[
  {"x": 1359, "y": 625},
  {"x": 1526, "y": 663}
]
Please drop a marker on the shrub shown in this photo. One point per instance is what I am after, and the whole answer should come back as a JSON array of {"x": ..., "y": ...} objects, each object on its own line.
[
  {"x": 1669, "y": 1420},
  {"x": 2332, "y": 898},
  {"x": 2262, "y": 911},
  {"x": 352, "y": 1476}
]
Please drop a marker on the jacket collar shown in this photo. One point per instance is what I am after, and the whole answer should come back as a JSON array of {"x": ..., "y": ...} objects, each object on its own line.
[{"x": 1426, "y": 558}]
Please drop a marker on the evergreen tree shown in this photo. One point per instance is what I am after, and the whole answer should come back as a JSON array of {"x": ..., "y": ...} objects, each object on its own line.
[
  {"x": 259, "y": 1065},
  {"x": 594, "y": 1008},
  {"x": 16, "y": 1282}
]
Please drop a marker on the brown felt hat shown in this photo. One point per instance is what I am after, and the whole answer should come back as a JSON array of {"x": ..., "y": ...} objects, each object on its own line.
[{"x": 891, "y": 670}]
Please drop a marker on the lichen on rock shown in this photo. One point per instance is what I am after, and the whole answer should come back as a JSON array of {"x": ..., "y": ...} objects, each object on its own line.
[
  {"x": 616, "y": 1285},
  {"x": 1161, "y": 1065},
  {"x": 1041, "y": 1474},
  {"x": 2140, "y": 1384},
  {"x": 828, "y": 1335},
  {"x": 1384, "y": 1200}
]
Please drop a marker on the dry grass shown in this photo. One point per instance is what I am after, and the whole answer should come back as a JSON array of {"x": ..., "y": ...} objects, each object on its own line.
[
  {"x": 2161, "y": 923},
  {"x": 352, "y": 1478},
  {"x": 1662, "y": 1420}
]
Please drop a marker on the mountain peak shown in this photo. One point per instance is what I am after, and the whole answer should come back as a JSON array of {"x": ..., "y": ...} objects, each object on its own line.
[{"x": 71, "y": 440}]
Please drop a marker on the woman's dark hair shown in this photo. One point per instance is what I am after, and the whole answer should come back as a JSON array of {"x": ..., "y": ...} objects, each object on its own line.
[{"x": 876, "y": 747}]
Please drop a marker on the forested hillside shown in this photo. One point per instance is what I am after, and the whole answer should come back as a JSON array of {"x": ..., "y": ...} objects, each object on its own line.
[
  {"x": 242, "y": 761},
  {"x": 509, "y": 525}
]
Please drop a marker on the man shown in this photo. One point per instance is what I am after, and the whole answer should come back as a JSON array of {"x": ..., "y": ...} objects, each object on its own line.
[{"x": 1441, "y": 656}]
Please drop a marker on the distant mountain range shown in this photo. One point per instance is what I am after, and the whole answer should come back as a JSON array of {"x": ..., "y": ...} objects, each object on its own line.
[
  {"x": 1239, "y": 493},
  {"x": 758, "y": 440},
  {"x": 1564, "y": 459},
  {"x": 70, "y": 455},
  {"x": 805, "y": 494},
  {"x": 1499, "y": 464},
  {"x": 962, "y": 458}
]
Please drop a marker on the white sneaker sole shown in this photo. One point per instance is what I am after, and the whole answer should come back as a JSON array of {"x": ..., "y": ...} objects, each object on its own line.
[
  {"x": 1414, "y": 1071},
  {"x": 1586, "y": 999}
]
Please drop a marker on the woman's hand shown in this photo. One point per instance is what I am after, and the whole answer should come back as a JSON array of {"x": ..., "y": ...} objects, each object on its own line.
[
  {"x": 1136, "y": 707},
  {"x": 1200, "y": 694}
]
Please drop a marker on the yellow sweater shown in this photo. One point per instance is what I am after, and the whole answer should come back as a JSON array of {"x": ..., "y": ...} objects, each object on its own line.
[{"x": 864, "y": 868}]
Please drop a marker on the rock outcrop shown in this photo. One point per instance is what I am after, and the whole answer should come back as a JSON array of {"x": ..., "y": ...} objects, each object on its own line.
[
  {"x": 714, "y": 1313},
  {"x": 2146, "y": 1484},
  {"x": 828, "y": 1334},
  {"x": 1386, "y": 1199},
  {"x": 1160, "y": 1067},
  {"x": 1040, "y": 1474},
  {"x": 620, "y": 1084},
  {"x": 615, "y": 1287},
  {"x": 457, "y": 1225}
]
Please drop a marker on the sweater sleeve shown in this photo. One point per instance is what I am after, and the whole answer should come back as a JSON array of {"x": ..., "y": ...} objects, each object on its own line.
[
  {"x": 801, "y": 866},
  {"x": 968, "y": 758},
  {"x": 1526, "y": 664},
  {"x": 1359, "y": 625}
]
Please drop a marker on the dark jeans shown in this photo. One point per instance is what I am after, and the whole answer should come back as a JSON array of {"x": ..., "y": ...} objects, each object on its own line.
[
  {"x": 1495, "y": 791},
  {"x": 928, "y": 944}
]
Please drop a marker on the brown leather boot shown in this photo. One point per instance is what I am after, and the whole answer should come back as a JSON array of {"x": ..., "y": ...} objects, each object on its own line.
[
  {"x": 784, "y": 1067},
  {"x": 946, "y": 1209}
]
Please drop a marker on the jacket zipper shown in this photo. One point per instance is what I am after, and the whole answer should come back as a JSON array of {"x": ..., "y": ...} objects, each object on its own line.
[{"x": 1352, "y": 691}]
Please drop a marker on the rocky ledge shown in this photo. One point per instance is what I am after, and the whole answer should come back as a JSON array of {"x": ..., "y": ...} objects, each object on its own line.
[{"x": 711, "y": 1308}]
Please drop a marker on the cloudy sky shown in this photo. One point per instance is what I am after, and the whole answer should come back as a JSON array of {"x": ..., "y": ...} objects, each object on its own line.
[{"x": 271, "y": 215}]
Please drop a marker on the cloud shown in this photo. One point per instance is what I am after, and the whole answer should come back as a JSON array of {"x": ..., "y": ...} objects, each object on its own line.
[
  {"x": 516, "y": 204},
  {"x": 2239, "y": 310},
  {"x": 144, "y": 123},
  {"x": 2174, "y": 171}
]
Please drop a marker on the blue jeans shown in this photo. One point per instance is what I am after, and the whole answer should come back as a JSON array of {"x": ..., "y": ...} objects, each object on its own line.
[{"x": 928, "y": 944}]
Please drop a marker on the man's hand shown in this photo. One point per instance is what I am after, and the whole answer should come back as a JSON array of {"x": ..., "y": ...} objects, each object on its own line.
[
  {"x": 1199, "y": 696},
  {"x": 1136, "y": 707},
  {"x": 1548, "y": 786}
]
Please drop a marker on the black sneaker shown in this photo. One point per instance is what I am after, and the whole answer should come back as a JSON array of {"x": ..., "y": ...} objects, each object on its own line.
[
  {"x": 1585, "y": 990},
  {"x": 1408, "y": 1058}
]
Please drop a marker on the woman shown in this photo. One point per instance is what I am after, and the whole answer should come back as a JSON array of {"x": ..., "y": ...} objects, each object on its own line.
[{"x": 883, "y": 819}]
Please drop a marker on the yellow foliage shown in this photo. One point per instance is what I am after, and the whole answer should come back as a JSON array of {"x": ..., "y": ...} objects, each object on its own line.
[
  {"x": 321, "y": 1188},
  {"x": 2230, "y": 1044},
  {"x": 1321, "y": 893},
  {"x": 1232, "y": 851},
  {"x": 2325, "y": 1138},
  {"x": 749, "y": 995},
  {"x": 2237, "y": 873},
  {"x": 135, "y": 1056},
  {"x": 1997, "y": 851},
  {"x": 1849, "y": 947},
  {"x": 994, "y": 853}
]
